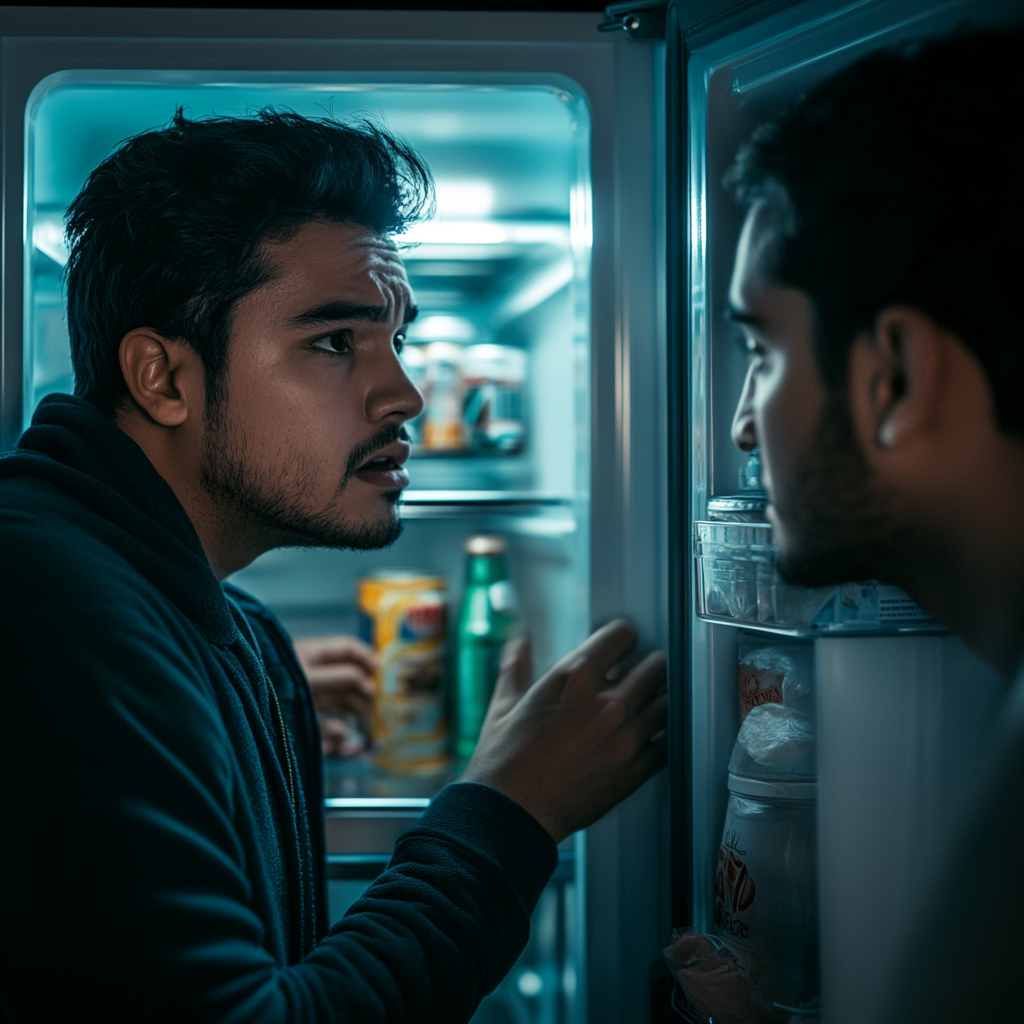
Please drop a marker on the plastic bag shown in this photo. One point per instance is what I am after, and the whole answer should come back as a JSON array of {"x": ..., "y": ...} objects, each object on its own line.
[
  {"x": 774, "y": 734},
  {"x": 776, "y": 691},
  {"x": 775, "y": 671},
  {"x": 712, "y": 981}
]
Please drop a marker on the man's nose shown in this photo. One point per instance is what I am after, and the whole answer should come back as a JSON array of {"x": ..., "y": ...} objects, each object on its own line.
[
  {"x": 744, "y": 436},
  {"x": 394, "y": 394}
]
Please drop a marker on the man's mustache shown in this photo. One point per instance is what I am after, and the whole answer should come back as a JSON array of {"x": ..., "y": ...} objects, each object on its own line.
[{"x": 388, "y": 434}]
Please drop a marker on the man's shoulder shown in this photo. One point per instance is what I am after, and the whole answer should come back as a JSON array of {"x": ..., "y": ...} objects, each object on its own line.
[{"x": 56, "y": 552}]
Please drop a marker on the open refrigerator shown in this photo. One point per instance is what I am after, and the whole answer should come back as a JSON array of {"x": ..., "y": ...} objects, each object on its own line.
[
  {"x": 538, "y": 286},
  {"x": 582, "y": 226}
]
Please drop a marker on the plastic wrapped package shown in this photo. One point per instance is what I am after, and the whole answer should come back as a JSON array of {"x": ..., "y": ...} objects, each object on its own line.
[
  {"x": 712, "y": 983},
  {"x": 775, "y": 681},
  {"x": 774, "y": 735}
]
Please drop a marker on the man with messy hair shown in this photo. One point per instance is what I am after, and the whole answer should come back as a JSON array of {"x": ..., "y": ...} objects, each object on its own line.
[{"x": 236, "y": 308}]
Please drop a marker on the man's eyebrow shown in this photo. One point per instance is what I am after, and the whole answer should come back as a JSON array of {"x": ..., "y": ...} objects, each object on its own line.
[
  {"x": 411, "y": 312},
  {"x": 738, "y": 316},
  {"x": 331, "y": 312}
]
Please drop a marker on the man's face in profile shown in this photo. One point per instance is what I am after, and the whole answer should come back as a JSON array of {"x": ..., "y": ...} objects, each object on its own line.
[
  {"x": 307, "y": 444},
  {"x": 829, "y": 521}
]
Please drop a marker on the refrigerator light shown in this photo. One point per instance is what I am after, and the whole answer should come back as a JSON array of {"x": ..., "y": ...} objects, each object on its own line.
[{"x": 48, "y": 236}]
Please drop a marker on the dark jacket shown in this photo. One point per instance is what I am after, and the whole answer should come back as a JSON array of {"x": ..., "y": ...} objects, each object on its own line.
[{"x": 162, "y": 851}]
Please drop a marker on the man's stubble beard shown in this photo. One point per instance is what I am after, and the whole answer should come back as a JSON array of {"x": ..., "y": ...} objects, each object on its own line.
[
  {"x": 838, "y": 521},
  {"x": 273, "y": 506}
]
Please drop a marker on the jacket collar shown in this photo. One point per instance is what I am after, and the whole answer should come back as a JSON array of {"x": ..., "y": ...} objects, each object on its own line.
[{"x": 75, "y": 446}]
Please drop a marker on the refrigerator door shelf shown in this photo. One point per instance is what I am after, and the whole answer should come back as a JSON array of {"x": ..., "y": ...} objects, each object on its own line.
[{"x": 738, "y": 583}]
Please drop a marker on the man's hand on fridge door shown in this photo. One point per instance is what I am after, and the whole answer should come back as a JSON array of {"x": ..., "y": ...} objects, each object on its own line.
[{"x": 580, "y": 739}]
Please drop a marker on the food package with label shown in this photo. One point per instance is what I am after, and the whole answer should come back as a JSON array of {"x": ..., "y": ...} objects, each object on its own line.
[
  {"x": 494, "y": 376},
  {"x": 472, "y": 398},
  {"x": 404, "y": 616},
  {"x": 775, "y": 682}
]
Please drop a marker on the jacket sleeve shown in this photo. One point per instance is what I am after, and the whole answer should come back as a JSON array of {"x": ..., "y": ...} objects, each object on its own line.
[{"x": 127, "y": 889}]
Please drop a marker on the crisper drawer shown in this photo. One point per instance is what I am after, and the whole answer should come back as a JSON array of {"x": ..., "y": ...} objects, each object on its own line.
[{"x": 369, "y": 825}]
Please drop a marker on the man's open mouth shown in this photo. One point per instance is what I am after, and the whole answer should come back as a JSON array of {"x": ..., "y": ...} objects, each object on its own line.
[
  {"x": 379, "y": 462},
  {"x": 385, "y": 469}
]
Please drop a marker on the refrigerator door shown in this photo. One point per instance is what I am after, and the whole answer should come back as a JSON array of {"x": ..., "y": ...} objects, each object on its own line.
[
  {"x": 542, "y": 135},
  {"x": 892, "y": 749}
]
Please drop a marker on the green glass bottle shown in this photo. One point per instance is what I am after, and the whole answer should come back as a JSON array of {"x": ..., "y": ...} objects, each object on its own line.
[{"x": 488, "y": 618}]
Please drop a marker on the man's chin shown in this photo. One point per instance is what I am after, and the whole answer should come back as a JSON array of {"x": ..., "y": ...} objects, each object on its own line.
[
  {"x": 823, "y": 564},
  {"x": 344, "y": 535}
]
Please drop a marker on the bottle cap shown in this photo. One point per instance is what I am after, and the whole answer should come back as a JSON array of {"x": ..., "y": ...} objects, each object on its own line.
[{"x": 485, "y": 544}]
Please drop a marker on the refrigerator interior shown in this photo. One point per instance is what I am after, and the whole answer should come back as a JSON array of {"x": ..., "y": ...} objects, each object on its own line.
[
  {"x": 899, "y": 718},
  {"x": 505, "y": 262}
]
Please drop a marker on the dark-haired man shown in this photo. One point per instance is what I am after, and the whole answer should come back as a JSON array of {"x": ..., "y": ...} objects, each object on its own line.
[
  {"x": 877, "y": 282},
  {"x": 236, "y": 309}
]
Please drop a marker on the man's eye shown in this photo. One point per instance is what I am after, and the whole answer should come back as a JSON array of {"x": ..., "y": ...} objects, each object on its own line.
[
  {"x": 399, "y": 341},
  {"x": 340, "y": 342}
]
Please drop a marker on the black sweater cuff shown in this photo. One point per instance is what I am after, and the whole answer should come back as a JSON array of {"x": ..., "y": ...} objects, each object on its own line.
[{"x": 499, "y": 828}]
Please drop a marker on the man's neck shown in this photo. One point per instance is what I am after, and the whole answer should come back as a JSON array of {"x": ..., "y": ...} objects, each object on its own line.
[
  {"x": 970, "y": 574},
  {"x": 175, "y": 456}
]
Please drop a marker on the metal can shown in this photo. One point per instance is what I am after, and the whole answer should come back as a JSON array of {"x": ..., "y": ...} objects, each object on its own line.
[
  {"x": 766, "y": 887},
  {"x": 403, "y": 615}
]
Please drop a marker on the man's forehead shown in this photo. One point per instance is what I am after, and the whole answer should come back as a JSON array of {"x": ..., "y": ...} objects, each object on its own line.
[
  {"x": 328, "y": 258},
  {"x": 331, "y": 242},
  {"x": 757, "y": 255}
]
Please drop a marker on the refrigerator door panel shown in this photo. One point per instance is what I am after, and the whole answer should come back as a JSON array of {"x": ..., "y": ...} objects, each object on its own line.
[
  {"x": 902, "y": 724},
  {"x": 889, "y": 708},
  {"x": 574, "y": 281}
]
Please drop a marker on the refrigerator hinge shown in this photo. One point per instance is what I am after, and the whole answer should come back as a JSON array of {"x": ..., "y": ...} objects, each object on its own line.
[{"x": 639, "y": 19}]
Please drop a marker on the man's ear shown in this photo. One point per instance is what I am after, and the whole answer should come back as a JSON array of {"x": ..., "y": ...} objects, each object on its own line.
[
  {"x": 895, "y": 376},
  {"x": 161, "y": 374}
]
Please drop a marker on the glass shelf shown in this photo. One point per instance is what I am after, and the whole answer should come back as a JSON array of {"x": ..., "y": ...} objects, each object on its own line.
[
  {"x": 479, "y": 500},
  {"x": 888, "y": 629}
]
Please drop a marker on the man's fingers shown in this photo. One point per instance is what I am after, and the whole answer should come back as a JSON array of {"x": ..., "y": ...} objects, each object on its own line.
[
  {"x": 354, "y": 702},
  {"x": 334, "y": 650},
  {"x": 604, "y": 648},
  {"x": 652, "y": 717},
  {"x": 515, "y": 676},
  {"x": 341, "y": 688},
  {"x": 339, "y": 678},
  {"x": 643, "y": 681},
  {"x": 517, "y": 664},
  {"x": 651, "y": 759}
]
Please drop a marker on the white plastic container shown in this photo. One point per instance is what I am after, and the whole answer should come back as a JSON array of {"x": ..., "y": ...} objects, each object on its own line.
[{"x": 766, "y": 887}]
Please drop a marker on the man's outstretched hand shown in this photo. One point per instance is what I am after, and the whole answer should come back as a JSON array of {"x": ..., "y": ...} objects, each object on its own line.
[
  {"x": 579, "y": 740},
  {"x": 340, "y": 672}
]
